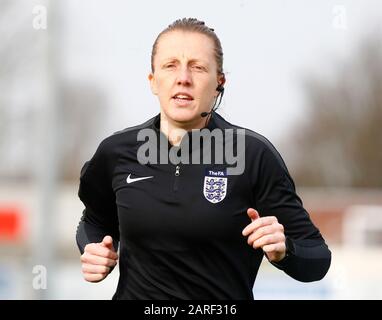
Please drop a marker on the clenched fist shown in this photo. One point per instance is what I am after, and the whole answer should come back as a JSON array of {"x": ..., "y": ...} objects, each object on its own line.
[
  {"x": 98, "y": 259},
  {"x": 266, "y": 233}
]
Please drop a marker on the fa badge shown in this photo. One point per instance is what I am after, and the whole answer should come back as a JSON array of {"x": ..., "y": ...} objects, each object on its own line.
[{"x": 215, "y": 185}]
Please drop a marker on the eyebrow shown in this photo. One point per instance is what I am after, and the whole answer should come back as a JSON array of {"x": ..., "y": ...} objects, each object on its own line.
[{"x": 191, "y": 61}]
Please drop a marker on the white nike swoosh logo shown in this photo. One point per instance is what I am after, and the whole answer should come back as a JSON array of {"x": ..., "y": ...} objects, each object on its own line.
[{"x": 130, "y": 180}]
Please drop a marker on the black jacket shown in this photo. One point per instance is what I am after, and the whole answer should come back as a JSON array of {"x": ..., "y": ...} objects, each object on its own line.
[{"x": 180, "y": 240}]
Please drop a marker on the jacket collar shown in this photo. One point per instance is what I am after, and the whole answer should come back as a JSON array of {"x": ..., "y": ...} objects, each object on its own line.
[{"x": 211, "y": 125}]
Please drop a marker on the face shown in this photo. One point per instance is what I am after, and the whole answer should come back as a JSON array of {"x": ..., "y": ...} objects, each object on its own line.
[{"x": 185, "y": 76}]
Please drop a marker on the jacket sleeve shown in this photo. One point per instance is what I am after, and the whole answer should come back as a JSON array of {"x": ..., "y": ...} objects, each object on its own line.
[
  {"x": 308, "y": 257},
  {"x": 99, "y": 218}
]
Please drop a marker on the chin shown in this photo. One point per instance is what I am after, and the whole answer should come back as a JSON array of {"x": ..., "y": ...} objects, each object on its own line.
[{"x": 182, "y": 115}]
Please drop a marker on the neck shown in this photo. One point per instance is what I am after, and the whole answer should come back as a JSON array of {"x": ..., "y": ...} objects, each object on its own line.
[{"x": 174, "y": 130}]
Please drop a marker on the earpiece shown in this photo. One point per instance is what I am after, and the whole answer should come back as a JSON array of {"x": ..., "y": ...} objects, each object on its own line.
[{"x": 220, "y": 88}]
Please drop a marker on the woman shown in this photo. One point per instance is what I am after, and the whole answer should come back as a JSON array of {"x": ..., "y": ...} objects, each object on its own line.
[{"x": 192, "y": 230}]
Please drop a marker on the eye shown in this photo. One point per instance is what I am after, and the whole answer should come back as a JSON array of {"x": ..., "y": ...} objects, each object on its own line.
[
  {"x": 198, "y": 67},
  {"x": 169, "y": 66}
]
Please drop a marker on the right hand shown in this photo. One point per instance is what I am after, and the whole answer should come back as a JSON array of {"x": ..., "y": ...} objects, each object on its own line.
[{"x": 98, "y": 259}]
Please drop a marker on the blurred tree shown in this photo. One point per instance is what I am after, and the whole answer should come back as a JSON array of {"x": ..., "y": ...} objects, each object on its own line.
[
  {"x": 340, "y": 142},
  {"x": 83, "y": 112},
  {"x": 17, "y": 45},
  {"x": 23, "y": 82}
]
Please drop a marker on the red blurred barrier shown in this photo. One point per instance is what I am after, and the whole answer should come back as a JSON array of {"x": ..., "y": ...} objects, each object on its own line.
[{"x": 10, "y": 222}]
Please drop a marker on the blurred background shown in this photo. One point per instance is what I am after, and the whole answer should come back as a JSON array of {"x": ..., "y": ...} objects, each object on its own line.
[{"x": 307, "y": 75}]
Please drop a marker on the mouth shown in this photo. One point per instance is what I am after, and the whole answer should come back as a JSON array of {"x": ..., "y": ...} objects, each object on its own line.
[{"x": 182, "y": 98}]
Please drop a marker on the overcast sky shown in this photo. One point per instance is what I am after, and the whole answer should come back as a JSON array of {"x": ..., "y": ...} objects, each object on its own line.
[{"x": 268, "y": 47}]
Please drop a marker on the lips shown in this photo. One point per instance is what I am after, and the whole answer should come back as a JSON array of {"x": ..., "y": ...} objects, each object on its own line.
[
  {"x": 183, "y": 96},
  {"x": 183, "y": 99}
]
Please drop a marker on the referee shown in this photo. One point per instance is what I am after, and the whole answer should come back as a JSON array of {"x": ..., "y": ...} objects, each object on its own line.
[{"x": 192, "y": 217}]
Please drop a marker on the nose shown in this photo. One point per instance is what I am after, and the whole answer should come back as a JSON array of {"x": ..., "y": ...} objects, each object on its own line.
[{"x": 184, "y": 77}]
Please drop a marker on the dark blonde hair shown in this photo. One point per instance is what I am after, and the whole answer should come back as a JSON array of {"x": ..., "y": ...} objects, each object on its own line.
[{"x": 192, "y": 25}]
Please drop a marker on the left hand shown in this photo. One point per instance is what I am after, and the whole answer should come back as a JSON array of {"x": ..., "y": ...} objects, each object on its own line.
[{"x": 266, "y": 233}]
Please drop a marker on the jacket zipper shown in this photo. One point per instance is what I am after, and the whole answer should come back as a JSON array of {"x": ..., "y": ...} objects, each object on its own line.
[{"x": 177, "y": 174}]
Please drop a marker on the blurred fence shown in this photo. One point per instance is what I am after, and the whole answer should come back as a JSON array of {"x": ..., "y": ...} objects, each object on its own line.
[{"x": 350, "y": 221}]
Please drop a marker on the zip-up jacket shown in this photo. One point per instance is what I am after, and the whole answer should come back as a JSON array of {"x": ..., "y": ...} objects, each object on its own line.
[{"x": 179, "y": 225}]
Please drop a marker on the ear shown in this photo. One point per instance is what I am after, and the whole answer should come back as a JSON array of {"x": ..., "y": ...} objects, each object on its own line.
[
  {"x": 221, "y": 79},
  {"x": 153, "y": 83}
]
